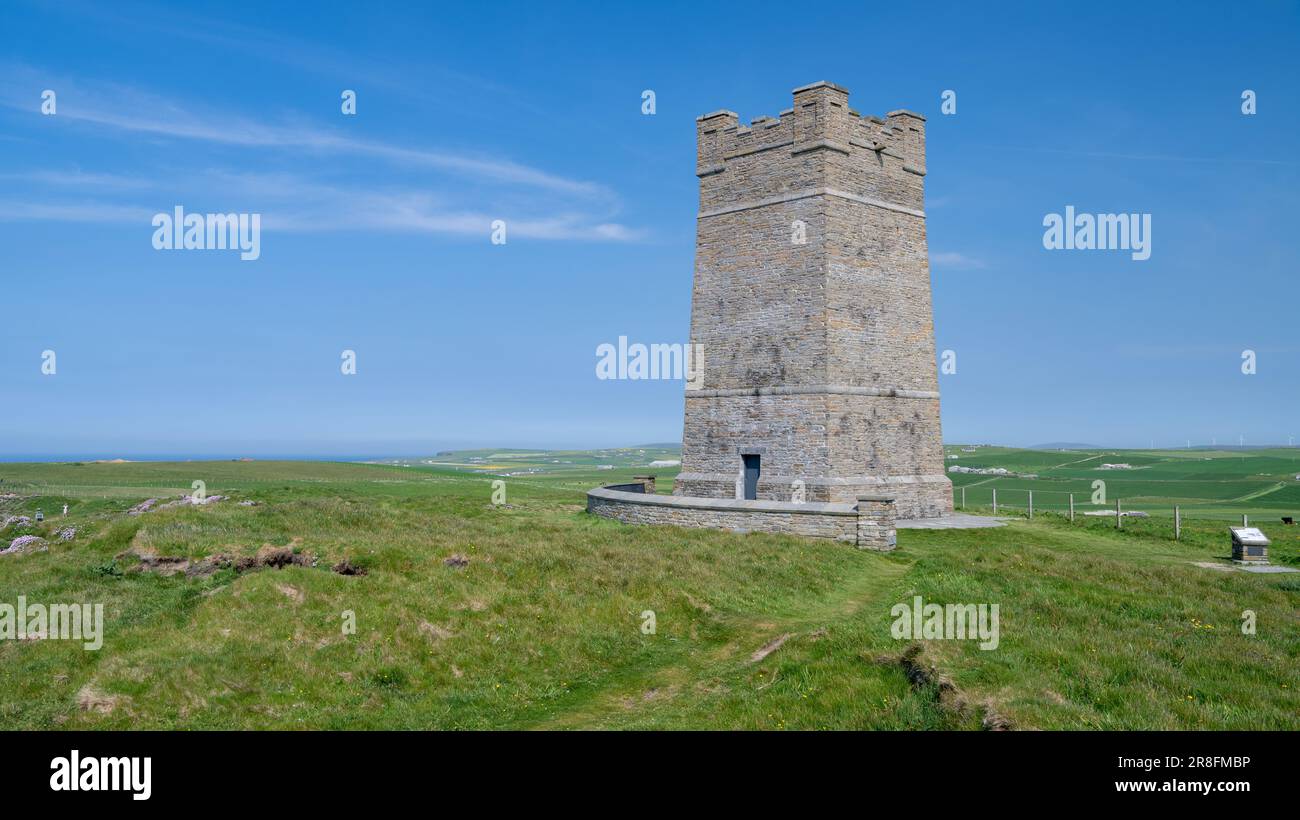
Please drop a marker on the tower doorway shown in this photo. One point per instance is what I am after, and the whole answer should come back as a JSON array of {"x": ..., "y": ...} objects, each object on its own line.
[{"x": 752, "y": 471}]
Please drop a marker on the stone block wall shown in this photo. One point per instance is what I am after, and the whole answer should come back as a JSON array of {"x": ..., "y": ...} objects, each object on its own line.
[
  {"x": 817, "y": 354},
  {"x": 868, "y": 524},
  {"x": 876, "y": 529}
]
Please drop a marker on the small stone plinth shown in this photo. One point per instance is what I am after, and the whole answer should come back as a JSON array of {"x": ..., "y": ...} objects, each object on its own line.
[
  {"x": 1249, "y": 545},
  {"x": 876, "y": 528}
]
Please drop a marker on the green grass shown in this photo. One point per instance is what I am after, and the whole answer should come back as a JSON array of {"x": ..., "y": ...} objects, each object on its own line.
[
  {"x": 1213, "y": 484},
  {"x": 542, "y": 629}
]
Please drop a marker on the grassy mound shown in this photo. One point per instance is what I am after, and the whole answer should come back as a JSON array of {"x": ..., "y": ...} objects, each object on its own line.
[{"x": 535, "y": 615}]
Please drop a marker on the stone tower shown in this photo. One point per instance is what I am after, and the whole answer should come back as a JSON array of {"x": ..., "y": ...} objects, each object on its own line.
[{"x": 811, "y": 310}]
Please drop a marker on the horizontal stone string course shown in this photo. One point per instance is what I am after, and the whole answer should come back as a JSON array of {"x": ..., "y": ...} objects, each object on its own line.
[
  {"x": 748, "y": 151},
  {"x": 891, "y": 483},
  {"x": 836, "y": 389},
  {"x": 811, "y": 192}
]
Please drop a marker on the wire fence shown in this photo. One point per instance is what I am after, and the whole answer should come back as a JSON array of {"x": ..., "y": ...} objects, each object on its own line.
[{"x": 1016, "y": 501}]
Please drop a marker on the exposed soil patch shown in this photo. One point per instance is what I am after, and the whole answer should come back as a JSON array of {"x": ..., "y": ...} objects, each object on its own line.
[
  {"x": 268, "y": 557},
  {"x": 277, "y": 557},
  {"x": 924, "y": 676},
  {"x": 648, "y": 696},
  {"x": 346, "y": 567},
  {"x": 204, "y": 567},
  {"x": 458, "y": 561},
  {"x": 436, "y": 633},
  {"x": 702, "y": 606},
  {"x": 164, "y": 565},
  {"x": 90, "y": 699},
  {"x": 995, "y": 722}
]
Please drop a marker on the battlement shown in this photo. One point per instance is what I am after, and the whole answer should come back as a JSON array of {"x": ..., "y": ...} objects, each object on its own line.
[{"x": 820, "y": 120}]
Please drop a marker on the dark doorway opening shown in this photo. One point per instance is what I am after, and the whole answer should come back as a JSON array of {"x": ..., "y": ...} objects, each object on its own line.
[{"x": 752, "y": 471}]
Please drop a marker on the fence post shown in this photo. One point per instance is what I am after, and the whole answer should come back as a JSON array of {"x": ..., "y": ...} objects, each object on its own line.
[
  {"x": 1072, "y": 506},
  {"x": 1178, "y": 523},
  {"x": 963, "y": 498},
  {"x": 1031, "y": 503},
  {"x": 995, "y": 501},
  {"x": 1119, "y": 514},
  {"x": 1245, "y": 521}
]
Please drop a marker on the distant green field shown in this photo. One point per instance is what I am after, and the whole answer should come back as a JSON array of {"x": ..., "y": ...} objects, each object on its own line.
[
  {"x": 1214, "y": 484},
  {"x": 561, "y": 470}
]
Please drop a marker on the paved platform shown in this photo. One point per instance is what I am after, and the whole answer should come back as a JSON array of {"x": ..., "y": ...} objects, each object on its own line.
[
  {"x": 1226, "y": 567},
  {"x": 956, "y": 521}
]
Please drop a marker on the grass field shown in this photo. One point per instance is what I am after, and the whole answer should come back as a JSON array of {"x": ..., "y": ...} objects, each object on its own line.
[
  {"x": 537, "y": 622},
  {"x": 1216, "y": 484}
]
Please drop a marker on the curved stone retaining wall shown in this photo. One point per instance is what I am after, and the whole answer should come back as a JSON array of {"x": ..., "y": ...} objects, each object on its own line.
[{"x": 868, "y": 523}]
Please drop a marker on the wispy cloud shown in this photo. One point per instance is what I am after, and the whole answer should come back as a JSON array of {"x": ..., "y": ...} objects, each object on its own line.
[
  {"x": 392, "y": 214},
  {"x": 954, "y": 260},
  {"x": 11, "y": 211},
  {"x": 134, "y": 110},
  {"x": 175, "y": 23},
  {"x": 294, "y": 204},
  {"x": 76, "y": 178},
  {"x": 558, "y": 207},
  {"x": 337, "y": 209}
]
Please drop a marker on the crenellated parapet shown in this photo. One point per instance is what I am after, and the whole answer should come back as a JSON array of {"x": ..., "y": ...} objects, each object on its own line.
[{"x": 819, "y": 121}]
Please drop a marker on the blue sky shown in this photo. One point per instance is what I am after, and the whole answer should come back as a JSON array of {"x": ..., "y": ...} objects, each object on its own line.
[{"x": 376, "y": 226}]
